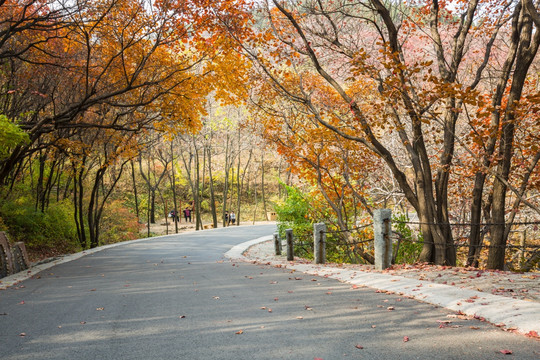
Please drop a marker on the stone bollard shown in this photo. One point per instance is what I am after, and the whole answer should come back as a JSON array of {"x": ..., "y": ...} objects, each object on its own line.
[
  {"x": 20, "y": 257},
  {"x": 382, "y": 229},
  {"x": 6, "y": 260},
  {"x": 290, "y": 249},
  {"x": 277, "y": 244},
  {"x": 319, "y": 242}
]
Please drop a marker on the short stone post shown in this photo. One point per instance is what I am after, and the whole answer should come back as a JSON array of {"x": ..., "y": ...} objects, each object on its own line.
[
  {"x": 382, "y": 229},
  {"x": 6, "y": 259},
  {"x": 277, "y": 244},
  {"x": 319, "y": 242},
  {"x": 290, "y": 249}
]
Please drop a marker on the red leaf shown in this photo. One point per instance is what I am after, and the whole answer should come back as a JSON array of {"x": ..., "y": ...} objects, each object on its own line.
[
  {"x": 239, "y": 332},
  {"x": 405, "y": 338},
  {"x": 506, "y": 352},
  {"x": 359, "y": 346}
]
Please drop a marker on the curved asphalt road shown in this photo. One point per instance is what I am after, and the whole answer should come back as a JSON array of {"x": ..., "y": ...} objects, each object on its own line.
[{"x": 176, "y": 297}]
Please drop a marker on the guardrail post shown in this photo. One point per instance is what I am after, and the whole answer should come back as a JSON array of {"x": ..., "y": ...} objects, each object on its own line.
[
  {"x": 277, "y": 244},
  {"x": 382, "y": 229},
  {"x": 290, "y": 249},
  {"x": 319, "y": 240}
]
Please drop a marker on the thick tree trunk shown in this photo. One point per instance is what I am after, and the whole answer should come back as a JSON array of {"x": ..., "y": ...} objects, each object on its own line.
[{"x": 528, "y": 47}]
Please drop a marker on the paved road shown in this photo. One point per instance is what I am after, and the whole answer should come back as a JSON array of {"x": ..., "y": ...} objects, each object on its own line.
[{"x": 176, "y": 297}]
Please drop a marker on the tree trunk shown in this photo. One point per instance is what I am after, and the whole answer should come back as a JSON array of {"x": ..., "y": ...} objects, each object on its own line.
[
  {"x": 528, "y": 47},
  {"x": 211, "y": 183},
  {"x": 135, "y": 189}
]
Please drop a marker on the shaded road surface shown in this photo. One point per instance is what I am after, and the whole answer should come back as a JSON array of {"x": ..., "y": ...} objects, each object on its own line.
[{"x": 176, "y": 297}]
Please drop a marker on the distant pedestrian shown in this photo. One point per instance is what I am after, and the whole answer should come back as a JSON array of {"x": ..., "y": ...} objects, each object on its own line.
[
  {"x": 232, "y": 216},
  {"x": 187, "y": 214},
  {"x": 174, "y": 215},
  {"x": 226, "y": 218}
]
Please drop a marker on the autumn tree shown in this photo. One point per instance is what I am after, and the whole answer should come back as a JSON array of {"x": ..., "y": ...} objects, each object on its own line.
[{"x": 373, "y": 72}]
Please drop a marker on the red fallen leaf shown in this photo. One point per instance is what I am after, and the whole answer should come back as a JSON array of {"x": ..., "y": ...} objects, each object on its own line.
[
  {"x": 239, "y": 332},
  {"x": 276, "y": 299},
  {"x": 405, "y": 338},
  {"x": 182, "y": 317},
  {"x": 359, "y": 346},
  {"x": 532, "y": 334},
  {"x": 318, "y": 359},
  {"x": 269, "y": 310},
  {"x": 474, "y": 327},
  {"x": 506, "y": 352},
  {"x": 22, "y": 303},
  {"x": 390, "y": 308},
  {"x": 329, "y": 293},
  {"x": 83, "y": 322},
  {"x": 22, "y": 334}
]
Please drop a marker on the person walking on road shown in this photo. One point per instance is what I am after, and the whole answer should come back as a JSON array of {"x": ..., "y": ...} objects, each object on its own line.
[{"x": 232, "y": 217}]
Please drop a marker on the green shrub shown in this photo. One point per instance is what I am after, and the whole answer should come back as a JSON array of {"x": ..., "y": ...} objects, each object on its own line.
[
  {"x": 53, "y": 228},
  {"x": 293, "y": 213},
  {"x": 410, "y": 245}
]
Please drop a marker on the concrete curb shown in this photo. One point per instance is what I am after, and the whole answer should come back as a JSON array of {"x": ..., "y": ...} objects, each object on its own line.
[{"x": 522, "y": 316}]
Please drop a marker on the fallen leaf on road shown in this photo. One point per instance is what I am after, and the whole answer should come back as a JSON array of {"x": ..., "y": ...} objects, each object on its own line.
[
  {"x": 359, "y": 346},
  {"x": 269, "y": 310},
  {"x": 216, "y": 297},
  {"x": 21, "y": 303},
  {"x": 373, "y": 326},
  {"x": 532, "y": 334},
  {"x": 276, "y": 299},
  {"x": 83, "y": 322},
  {"x": 474, "y": 327},
  {"x": 239, "y": 332},
  {"x": 100, "y": 309},
  {"x": 299, "y": 317},
  {"x": 506, "y": 352},
  {"x": 182, "y": 317},
  {"x": 390, "y": 308},
  {"x": 263, "y": 308},
  {"x": 22, "y": 334},
  {"x": 405, "y": 338}
]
